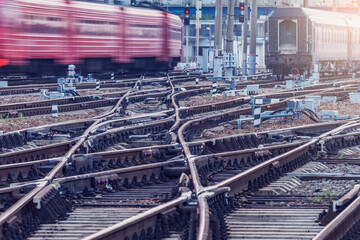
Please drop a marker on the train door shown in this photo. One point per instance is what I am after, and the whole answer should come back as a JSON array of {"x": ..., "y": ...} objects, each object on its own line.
[{"x": 288, "y": 40}]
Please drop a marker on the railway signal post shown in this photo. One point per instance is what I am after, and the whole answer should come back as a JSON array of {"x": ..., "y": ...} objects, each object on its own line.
[
  {"x": 253, "y": 31},
  {"x": 229, "y": 59},
  {"x": 186, "y": 24},
  {"x": 198, "y": 26}
]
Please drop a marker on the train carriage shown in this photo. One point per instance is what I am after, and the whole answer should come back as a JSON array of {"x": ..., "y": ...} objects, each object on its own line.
[
  {"x": 42, "y": 37},
  {"x": 354, "y": 41},
  {"x": 94, "y": 35},
  {"x": 145, "y": 38},
  {"x": 301, "y": 38}
]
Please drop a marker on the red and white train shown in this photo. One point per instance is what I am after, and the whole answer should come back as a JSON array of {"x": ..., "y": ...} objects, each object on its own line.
[{"x": 43, "y": 36}]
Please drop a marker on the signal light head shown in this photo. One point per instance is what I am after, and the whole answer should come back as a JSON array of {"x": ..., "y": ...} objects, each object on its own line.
[
  {"x": 187, "y": 12},
  {"x": 242, "y": 6}
]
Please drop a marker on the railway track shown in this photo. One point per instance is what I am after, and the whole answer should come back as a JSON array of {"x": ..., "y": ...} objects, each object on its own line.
[{"x": 145, "y": 168}]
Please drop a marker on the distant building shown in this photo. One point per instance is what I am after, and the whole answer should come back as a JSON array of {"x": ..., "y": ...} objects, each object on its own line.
[{"x": 270, "y": 3}]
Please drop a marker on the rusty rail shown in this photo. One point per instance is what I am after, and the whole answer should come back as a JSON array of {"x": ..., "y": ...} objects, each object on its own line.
[{"x": 138, "y": 221}]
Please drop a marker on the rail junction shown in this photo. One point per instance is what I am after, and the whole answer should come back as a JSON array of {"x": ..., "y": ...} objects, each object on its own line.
[{"x": 166, "y": 158}]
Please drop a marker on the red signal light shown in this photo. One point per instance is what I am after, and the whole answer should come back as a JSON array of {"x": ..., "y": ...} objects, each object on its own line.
[
  {"x": 187, "y": 10},
  {"x": 242, "y": 6}
]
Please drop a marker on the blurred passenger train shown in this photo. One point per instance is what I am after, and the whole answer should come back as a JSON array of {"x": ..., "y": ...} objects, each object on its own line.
[
  {"x": 43, "y": 36},
  {"x": 301, "y": 39}
]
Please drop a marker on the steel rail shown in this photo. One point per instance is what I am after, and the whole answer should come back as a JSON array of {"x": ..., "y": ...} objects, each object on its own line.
[
  {"x": 113, "y": 232},
  {"x": 339, "y": 226},
  {"x": 15, "y": 208},
  {"x": 240, "y": 181}
]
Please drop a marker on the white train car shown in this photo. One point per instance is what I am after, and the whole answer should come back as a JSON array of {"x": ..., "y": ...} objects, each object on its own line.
[{"x": 300, "y": 38}]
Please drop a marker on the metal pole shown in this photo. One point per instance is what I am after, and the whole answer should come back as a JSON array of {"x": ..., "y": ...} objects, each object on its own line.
[
  {"x": 229, "y": 68},
  {"x": 253, "y": 32},
  {"x": 197, "y": 26},
  {"x": 218, "y": 39},
  {"x": 335, "y": 5},
  {"x": 218, "y": 26},
  {"x": 244, "y": 38},
  {"x": 205, "y": 60},
  {"x": 306, "y": 3},
  {"x": 187, "y": 44},
  {"x": 230, "y": 27}
]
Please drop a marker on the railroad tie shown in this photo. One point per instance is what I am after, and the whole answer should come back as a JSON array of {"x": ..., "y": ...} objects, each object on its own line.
[{"x": 278, "y": 223}]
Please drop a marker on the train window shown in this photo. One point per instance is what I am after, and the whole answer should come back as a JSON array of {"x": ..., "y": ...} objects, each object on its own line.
[
  {"x": 356, "y": 37},
  {"x": 341, "y": 36},
  {"x": 42, "y": 24},
  {"x": 96, "y": 27},
  {"x": 331, "y": 35},
  {"x": 144, "y": 31},
  {"x": 175, "y": 33},
  {"x": 287, "y": 35},
  {"x": 327, "y": 35},
  {"x": 336, "y": 35}
]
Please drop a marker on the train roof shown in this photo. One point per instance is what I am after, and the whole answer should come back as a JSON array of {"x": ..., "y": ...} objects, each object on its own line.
[
  {"x": 319, "y": 16},
  {"x": 325, "y": 17},
  {"x": 93, "y": 7}
]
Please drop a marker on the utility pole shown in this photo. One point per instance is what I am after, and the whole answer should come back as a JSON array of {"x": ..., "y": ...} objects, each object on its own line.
[
  {"x": 306, "y": 3},
  {"x": 244, "y": 38},
  {"x": 197, "y": 26},
  {"x": 335, "y": 5},
  {"x": 253, "y": 32},
  {"x": 218, "y": 25},
  {"x": 230, "y": 27},
  {"x": 230, "y": 59},
  {"x": 218, "y": 39},
  {"x": 187, "y": 44},
  {"x": 186, "y": 24}
]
